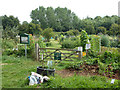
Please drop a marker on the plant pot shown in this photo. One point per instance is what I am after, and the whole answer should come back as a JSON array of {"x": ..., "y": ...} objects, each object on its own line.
[{"x": 45, "y": 71}]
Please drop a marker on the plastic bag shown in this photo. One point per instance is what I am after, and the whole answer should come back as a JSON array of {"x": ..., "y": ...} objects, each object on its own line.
[{"x": 33, "y": 80}]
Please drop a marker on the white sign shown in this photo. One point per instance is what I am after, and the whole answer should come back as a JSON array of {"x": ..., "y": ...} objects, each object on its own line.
[
  {"x": 88, "y": 46},
  {"x": 24, "y": 39},
  {"x": 112, "y": 82},
  {"x": 80, "y": 49}
]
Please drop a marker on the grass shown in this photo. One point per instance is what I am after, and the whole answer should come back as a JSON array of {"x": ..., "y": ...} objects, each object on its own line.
[
  {"x": 55, "y": 44},
  {"x": 15, "y": 74},
  {"x": 80, "y": 82}
]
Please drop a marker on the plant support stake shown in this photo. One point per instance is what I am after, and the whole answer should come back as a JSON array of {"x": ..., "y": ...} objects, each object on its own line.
[{"x": 25, "y": 50}]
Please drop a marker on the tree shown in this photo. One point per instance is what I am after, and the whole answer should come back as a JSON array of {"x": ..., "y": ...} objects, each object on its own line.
[
  {"x": 23, "y": 28},
  {"x": 1, "y": 17},
  {"x": 10, "y": 25},
  {"x": 90, "y": 29},
  {"x": 9, "y": 33},
  {"x": 39, "y": 17},
  {"x": 64, "y": 16},
  {"x": 60, "y": 19},
  {"x": 10, "y": 22},
  {"x": 48, "y": 33},
  {"x": 75, "y": 22},
  {"x": 114, "y": 30},
  {"x": 34, "y": 29},
  {"x": 70, "y": 33},
  {"x": 51, "y": 18},
  {"x": 101, "y": 30}
]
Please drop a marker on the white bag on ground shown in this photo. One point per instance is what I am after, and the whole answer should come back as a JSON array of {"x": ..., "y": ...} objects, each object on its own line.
[
  {"x": 46, "y": 78},
  {"x": 34, "y": 76},
  {"x": 33, "y": 80}
]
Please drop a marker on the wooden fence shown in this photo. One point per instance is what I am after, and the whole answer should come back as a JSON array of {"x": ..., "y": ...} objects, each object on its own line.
[{"x": 57, "y": 54}]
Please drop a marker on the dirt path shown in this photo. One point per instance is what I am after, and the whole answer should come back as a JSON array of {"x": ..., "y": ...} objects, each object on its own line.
[{"x": 4, "y": 64}]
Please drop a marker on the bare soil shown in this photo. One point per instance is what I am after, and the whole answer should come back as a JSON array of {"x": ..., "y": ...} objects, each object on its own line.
[{"x": 87, "y": 71}]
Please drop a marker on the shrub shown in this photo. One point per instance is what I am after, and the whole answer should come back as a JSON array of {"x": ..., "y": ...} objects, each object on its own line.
[
  {"x": 107, "y": 57},
  {"x": 61, "y": 38},
  {"x": 68, "y": 44},
  {"x": 56, "y": 37},
  {"x": 95, "y": 43},
  {"x": 91, "y": 53},
  {"x": 8, "y": 44},
  {"x": 48, "y": 33},
  {"x": 40, "y": 42},
  {"x": 48, "y": 44},
  {"x": 114, "y": 43},
  {"x": 92, "y": 61},
  {"x": 73, "y": 65},
  {"x": 105, "y": 40}
]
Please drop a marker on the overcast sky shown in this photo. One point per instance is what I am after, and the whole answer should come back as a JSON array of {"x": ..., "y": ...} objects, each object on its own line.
[{"x": 82, "y": 8}]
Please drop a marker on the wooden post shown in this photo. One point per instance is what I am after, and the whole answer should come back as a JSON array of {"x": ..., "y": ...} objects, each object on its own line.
[
  {"x": 25, "y": 50},
  {"x": 36, "y": 51},
  {"x": 80, "y": 52}
]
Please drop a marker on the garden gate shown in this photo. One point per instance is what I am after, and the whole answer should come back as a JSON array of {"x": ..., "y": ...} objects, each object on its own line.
[{"x": 58, "y": 54}]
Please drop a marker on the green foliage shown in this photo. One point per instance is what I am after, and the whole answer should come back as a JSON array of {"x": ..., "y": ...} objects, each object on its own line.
[
  {"x": 10, "y": 33},
  {"x": 56, "y": 37},
  {"x": 71, "y": 42},
  {"x": 115, "y": 66},
  {"x": 70, "y": 33},
  {"x": 73, "y": 65},
  {"x": 41, "y": 43},
  {"x": 92, "y": 61},
  {"x": 10, "y": 22},
  {"x": 105, "y": 40},
  {"x": 48, "y": 44},
  {"x": 8, "y": 44},
  {"x": 34, "y": 29},
  {"x": 80, "y": 82},
  {"x": 107, "y": 57},
  {"x": 61, "y": 38},
  {"x": 84, "y": 39},
  {"x": 91, "y": 53},
  {"x": 114, "y": 43},
  {"x": 68, "y": 44},
  {"x": 101, "y": 30},
  {"x": 90, "y": 29},
  {"x": 110, "y": 57},
  {"x": 21, "y": 48},
  {"x": 114, "y": 29},
  {"x": 48, "y": 33},
  {"x": 95, "y": 43}
]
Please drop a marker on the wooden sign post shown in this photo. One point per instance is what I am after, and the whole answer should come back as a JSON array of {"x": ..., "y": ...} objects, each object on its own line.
[{"x": 24, "y": 39}]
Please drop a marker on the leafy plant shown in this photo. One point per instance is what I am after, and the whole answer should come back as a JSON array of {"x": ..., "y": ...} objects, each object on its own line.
[
  {"x": 68, "y": 44},
  {"x": 95, "y": 43},
  {"x": 40, "y": 42},
  {"x": 105, "y": 40},
  {"x": 48, "y": 44},
  {"x": 83, "y": 38},
  {"x": 48, "y": 33}
]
